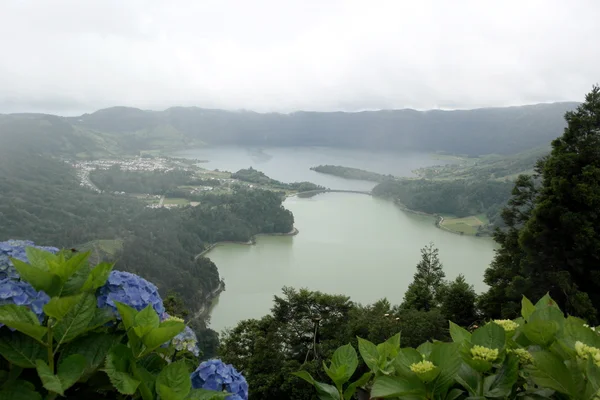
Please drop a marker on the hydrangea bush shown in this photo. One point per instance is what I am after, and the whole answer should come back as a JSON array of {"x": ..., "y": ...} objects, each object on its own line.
[
  {"x": 68, "y": 329},
  {"x": 216, "y": 375},
  {"x": 541, "y": 355}
]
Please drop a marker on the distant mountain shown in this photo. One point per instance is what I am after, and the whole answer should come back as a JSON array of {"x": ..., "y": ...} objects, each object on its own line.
[{"x": 474, "y": 132}]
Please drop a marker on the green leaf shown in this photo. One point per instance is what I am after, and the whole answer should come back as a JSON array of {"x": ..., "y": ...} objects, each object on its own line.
[
  {"x": 38, "y": 278},
  {"x": 127, "y": 314},
  {"x": 39, "y": 258},
  {"x": 527, "y": 308},
  {"x": 145, "y": 321},
  {"x": 388, "y": 386},
  {"x": 408, "y": 356},
  {"x": 173, "y": 382},
  {"x": 164, "y": 333},
  {"x": 71, "y": 369},
  {"x": 453, "y": 394},
  {"x": 337, "y": 375},
  {"x": 19, "y": 390},
  {"x": 49, "y": 380},
  {"x": 505, "y": 378},
  {"x": 117, "y": 368},
  {"x": 369, "y": 354},
  {"x": 351, "y": 389},
  {"x": 101, "y": 317},
  {"x": 468, "y": 378},
  {"x": 94, "y": 347},
  {"x": 67, "y": 268},
  {"x": 541, "y": 332},
  {"x": 97, "y": 277},
  {"x": 147, "y": 381},
  {"x": 77, "y": 319},
  {"x": 546, "y": 301},
  {"x": 490, "y": 335},
  {"x": 324, "y": 391},
  {"x": 58, "y": 307},
  {"x": 345, "y": 356},
  {"x": 548, "y": 314},
  {"x": 203, "y": 394},
  {"x": 550, "y": 372},
  {"x": 425, "y": 349},
  {"x": 389, "y": 348},
  {"x": 23, "y": 320},
  {"x": 446, "y": 357},
  {"x": 21, "y": 349},
  {"x": 458, "y": 333}
]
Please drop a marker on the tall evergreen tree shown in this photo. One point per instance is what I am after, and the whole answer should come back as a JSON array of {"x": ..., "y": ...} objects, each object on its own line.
[
  {"x": 458, "y": 302},
  {"x": 553, "y": 239},
  {"x": 424, "y": 292}
]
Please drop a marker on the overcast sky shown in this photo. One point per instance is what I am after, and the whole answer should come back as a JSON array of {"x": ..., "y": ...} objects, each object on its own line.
[{"x": 74, "y": 56}]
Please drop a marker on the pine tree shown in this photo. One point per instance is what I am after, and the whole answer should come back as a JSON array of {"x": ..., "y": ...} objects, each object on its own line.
[
  {"x": 458, "y": 302},
  {"x": 424, "y": 292}
]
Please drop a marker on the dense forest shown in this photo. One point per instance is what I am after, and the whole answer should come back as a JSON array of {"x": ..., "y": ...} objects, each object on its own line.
[
  {"x": 41, "y": 200},
  {"x": 252, "y": 175},
  {"x": 351, "y": 173},
  {"x": 460, "y": 198}
]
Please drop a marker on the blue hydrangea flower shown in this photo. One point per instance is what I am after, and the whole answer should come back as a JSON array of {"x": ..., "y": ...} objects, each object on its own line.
[
  {"x": 216, "y": 375},
  {"x": 186, "y": 340},
  {"x": 16, "y": 249},
  {"x": 23, "y": 294},
  {"x": 130, "y": 289}
]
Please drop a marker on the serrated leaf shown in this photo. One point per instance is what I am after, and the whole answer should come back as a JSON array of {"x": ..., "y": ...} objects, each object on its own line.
[
  {"x": 77, "y": 320},
  {"x": 425, "y": 348},
  {"x": 164, "y": 333},
  {"x": 550, "y": 372},
  {"x": 21, "y": 349},
  {"x": 408, "y": 356},
  {"x": 147, "y": 381},
  {"x": 145, "y": 321},
  {"x": 49, "y": 380},
  {"x": 23, "y": 320},
  {"x": 345, "y": 356},
  {"x": 58, "y": 307},
  {"x": 468, "y": 378},
  {"x": 117, "y": 368},
  {"x": 388, "y": 386},
  {"x": 458, "y": 333},
  {"x": 97, "y": 276},
  {"x": 70, "y": 370},
  {"x": 19, "y": 390},
  {"x": 368, "y": 352},
  {"x": 72, "y": 286},
  {"x": 351, "y": 389},
  {"x": 127, "y": 314},
  {"x": 39, "y": 258},
  {"x": 490, "y": 335},
  {"x": 173, "y": 382},
  {"x": 541, "y": 332},
  {"x": 101, "y": 317},
  {"x": 527, "y": 308},
  {"x": 446, "y": 357},
  {"x": 38, "y": 278},
  {"x": 94, "y": 347},
  {"x": 546, "y": 301},
  {"x": 65, "y": 269},
  {"x": 325, "y": 391}
]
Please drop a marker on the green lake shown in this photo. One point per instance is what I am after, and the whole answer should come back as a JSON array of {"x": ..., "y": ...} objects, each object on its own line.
[{"x": 352, "y": 244}]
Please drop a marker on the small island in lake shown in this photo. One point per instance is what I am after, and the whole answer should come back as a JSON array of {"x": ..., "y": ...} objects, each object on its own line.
[{"x": 352, "y": 173}]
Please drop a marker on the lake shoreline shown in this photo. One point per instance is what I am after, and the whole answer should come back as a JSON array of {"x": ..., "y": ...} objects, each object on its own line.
[{"x": 250, "y": 242}]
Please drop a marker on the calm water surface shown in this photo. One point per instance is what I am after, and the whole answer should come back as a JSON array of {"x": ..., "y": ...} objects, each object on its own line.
[{"x": 349, "y": 244}]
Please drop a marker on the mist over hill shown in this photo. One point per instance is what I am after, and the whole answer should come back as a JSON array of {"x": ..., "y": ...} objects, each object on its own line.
[{"x": 123, "y": 129}]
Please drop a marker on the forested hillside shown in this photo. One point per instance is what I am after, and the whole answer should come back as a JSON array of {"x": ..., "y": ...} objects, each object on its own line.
[{"x": 129, "y": 130}]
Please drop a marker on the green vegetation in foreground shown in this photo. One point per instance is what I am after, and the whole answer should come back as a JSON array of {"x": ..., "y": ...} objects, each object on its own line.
[{"x": 351, "y": 173}]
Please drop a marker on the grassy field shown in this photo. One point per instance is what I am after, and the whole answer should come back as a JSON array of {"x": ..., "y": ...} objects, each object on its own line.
[
  {"x": 101, "y": 248},
  {"x": 177, "y": 201},
  {"x": 466, "y": 225}
]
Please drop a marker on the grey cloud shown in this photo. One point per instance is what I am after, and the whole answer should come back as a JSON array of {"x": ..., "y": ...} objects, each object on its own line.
[{"x": 70, "y": 56}]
